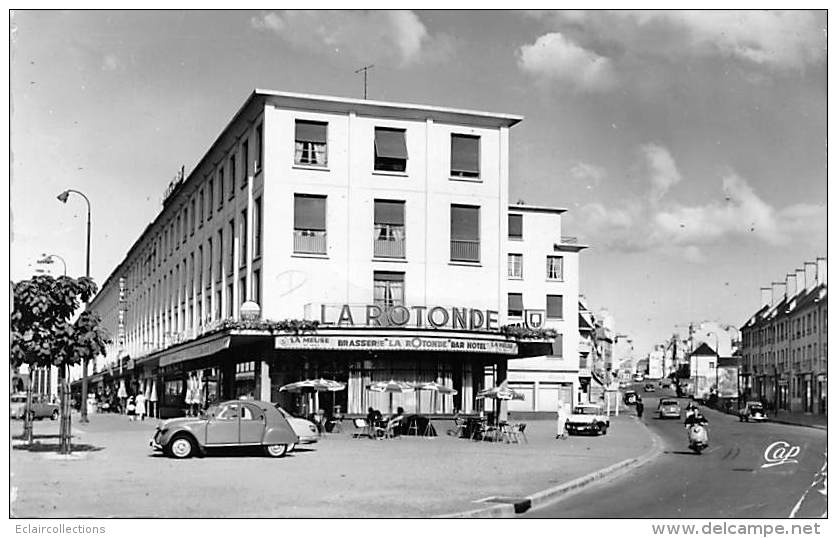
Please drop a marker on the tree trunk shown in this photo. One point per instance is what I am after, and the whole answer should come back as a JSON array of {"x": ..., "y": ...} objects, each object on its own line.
[
  {"x": 64, "y": 439},
  {"x": 27, "y": 410}
]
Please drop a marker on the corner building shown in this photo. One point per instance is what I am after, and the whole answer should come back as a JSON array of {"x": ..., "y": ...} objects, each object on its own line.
[{"x": 386, "y": 223}]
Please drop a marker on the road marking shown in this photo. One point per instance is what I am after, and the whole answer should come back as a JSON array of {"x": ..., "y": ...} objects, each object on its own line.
[{"x": 822, "y": 473}]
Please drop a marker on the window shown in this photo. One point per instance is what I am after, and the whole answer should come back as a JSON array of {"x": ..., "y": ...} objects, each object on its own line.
[
  {"x": 200, "y": 266},
  {"x": 259, "y": 147},
  {"x": 558, "y": 346},
  {"x": 229, "y": 300},
  {"x": 216, "y": 308},
  {"x": 231, "y": 235},
  {"x": 515, "y": 226},
  {"x": 309, "y": 224},
  {"x": 233, "y": 172},
  {"x": 464, "y": 156},
  {"x": 555, "y": 306},
  {"x": 228, "y": 412},
  {"x": 257, "y": 239},
  {"x": 257, "y": 286},
  {"x": 555, "y": 268},
  {"x": 464, "y": 233},
  {"x": 390, "y": 149},
  {"x": 245, "y": 163},
  {"x": 177, "y": 232},
  {"x": 220, "y": 188},
  {"x": 515, "y": 265},
  {"x": 183, "y": 229},
  {"x": 388, "y": 289},
  {"x": 209, "y": 259},
  {"x": 310, "y": 143},
  {"x": 220, "y": 271},
  {"x": 389, "y": 229},
  {"x": 242, "y": 235},
  {"x": 210, "y": 191},
  {"x": 193, "y": 214},
  {"x": 202, "y": 204},
  {"x": 242, "y": 290},
  {"x": 515, "y": 305}
]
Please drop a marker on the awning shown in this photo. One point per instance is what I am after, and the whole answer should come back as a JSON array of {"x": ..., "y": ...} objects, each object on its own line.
[
  {"x": 310, "y": 131},
  {"x": 194, "y": 351}
]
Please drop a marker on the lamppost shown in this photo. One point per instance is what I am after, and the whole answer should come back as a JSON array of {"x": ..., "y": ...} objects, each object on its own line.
[
  {"x": 48, "y": 259},
  {"x": 63, "y": 199}
]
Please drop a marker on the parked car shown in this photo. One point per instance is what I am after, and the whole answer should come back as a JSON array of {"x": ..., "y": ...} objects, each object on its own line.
[
  {"x": 41, "y": 407},
  {"x": 669, "y": 408},
  {"x": 235, "y": 423},
  {"x": 588, "y": 418},
  {"x": 303, "y": 428},
  {"x": 752, "y": 411},
  {"x": 630, "y": 397},
  {"x": 649, "y": 387}
]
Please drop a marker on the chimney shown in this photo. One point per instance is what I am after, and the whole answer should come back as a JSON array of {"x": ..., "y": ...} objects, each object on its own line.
[
  {"x": 800, "y": 280},
  {"x": 790, "y": 285},
  {"x": 810, "y": 275},
  {"x": 766, "y": 296},
  {"x": 778, "y": 292},
  {"x": 822, "y": 271}
]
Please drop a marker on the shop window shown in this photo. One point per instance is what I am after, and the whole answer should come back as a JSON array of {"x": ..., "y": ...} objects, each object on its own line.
[
  {"x": 390, "y": 149},
  {"x": 515, "y": 309},
  {"x": 388, "y": 289},
  {"x": 464, "y": 156},
  {"x": 310, "y": 143},
  {"x": 464, "y": 233},
  {"x": 173, "y": 393}
]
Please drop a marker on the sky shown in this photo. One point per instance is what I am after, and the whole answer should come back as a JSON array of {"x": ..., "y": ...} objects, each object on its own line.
[{"x": 688, "y": 147}]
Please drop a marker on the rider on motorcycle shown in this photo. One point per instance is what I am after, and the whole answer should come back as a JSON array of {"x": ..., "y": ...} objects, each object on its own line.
[{"x": 695, "y": 418}]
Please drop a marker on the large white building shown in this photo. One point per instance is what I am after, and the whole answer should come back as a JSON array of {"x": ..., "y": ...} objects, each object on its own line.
[{"x": 384, "y": 223}]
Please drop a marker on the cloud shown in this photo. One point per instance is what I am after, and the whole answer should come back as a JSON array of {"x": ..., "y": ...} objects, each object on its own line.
[
  {"x": 738, "y": 213},
  {"x": 770, "y": 39},
  {"x": 111, "y": 62},
  {"x": 588, "y": 173},
  {"x": 366, "y": 36},
  {"x": 663, "y": 172},
  {"x": 554, "y": 57}
]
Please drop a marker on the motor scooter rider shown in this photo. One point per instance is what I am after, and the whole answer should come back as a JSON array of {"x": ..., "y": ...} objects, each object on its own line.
[{"x": 695, "y": 418}]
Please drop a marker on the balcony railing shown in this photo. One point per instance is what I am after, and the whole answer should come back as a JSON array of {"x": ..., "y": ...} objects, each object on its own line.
[
  {"x": 389, "y": 241},
  {"x": 310, "y": 242},
  {"x": 464, "y": 250}
]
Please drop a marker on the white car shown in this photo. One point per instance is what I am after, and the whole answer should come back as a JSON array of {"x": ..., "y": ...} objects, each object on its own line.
[
  {"x": 304, "y": 429},
  {"x": 588, "y": 418}
]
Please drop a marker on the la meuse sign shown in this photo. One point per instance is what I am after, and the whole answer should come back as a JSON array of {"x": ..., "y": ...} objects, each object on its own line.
[{"x": 434, "y": 317}]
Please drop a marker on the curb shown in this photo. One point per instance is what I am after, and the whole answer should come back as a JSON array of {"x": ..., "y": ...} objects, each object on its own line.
[
  {"x": 548, "y": 496},
  {"x": 789, "y": 423}
]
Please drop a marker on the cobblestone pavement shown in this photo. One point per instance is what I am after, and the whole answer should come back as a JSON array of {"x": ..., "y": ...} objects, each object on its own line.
[{"x": 115, "y": 473}]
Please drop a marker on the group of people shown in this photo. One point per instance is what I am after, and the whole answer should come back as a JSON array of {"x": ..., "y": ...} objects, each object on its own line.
[
  {"x": 136, "y": 407},
  {"x": 376, "y": 420}
]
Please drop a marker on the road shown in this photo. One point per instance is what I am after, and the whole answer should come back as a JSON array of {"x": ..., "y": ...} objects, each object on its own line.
[{"x": 729, "y": 479}]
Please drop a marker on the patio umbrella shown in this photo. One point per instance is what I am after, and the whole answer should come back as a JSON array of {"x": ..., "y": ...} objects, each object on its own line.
[
  {"x": 153, "y": 394},
  {"x": 391, "y": 387},
  {"x": 121, "y": 392},
  {"x": 501, "y": 392},
  {"x": 316, "y": 386},
  {"x": 433, "y": 387}
]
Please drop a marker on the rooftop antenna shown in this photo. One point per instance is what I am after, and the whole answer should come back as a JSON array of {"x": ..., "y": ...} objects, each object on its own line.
[{"x": 365, "y": 70}]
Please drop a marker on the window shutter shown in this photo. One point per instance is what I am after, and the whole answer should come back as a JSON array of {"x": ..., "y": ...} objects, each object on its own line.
[
  {"x": 465, "y": 153},
  {"x": 388, "y": 276},
  {"x": 464, "y": 223},
  {"x": 311, "y": 131},
  {"x": 389, "y": 212},
  {"x": 390, "y": 143},
  {"x": 516, "y": 301},
  {"x": 309, "y": 212},
  {"x": 555, "y": 306},
  {"x": 515, "y": 225},
  {"x": 558, "y": 346}
]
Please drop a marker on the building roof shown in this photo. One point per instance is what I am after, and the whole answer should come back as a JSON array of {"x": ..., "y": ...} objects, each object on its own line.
[
  {"x": 704, "y": 349},
  {"x": 536, "y": 208}
]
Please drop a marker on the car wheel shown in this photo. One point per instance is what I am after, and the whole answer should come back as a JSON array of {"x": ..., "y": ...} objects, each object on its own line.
[
  {"x": 604, "y": 430},
  {"x": 54, "y": 415},
  {"x": 595, "y": 429},
  {"x": 291, "y": 447},
  {"x": 181, "y": 447},
  {"x": 276, "y": 451}
]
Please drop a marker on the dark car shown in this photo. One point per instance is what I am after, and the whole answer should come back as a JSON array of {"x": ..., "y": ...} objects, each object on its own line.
[
  {"x": 752, "y": 411},
  {"x": 42, "y": 407},
  {"x": 630, "y": 397},
  {"x": 235, "y": 423}
]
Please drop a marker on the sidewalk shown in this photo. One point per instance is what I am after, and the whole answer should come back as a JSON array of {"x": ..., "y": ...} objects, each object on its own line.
[
  {"x": 800, "y": 419},
  {"x": 116, "y": 474}
]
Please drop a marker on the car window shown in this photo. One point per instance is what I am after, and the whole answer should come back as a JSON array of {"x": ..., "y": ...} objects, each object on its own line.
[
  {"x": 228, "y": 412},
  {"x": 249, "y": 412}
]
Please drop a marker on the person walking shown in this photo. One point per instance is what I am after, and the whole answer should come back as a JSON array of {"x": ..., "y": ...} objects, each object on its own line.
[
  {"x": 140, "y": 406},
  {"x": 132, "y": 409},
  {"x": 640, "y": 407},
  {"x": 561, "y": 421}
]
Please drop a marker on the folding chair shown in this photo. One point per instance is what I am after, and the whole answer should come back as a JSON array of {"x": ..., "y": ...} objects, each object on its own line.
[
  {"x": 366, "y": 429},
  {"x": 391, "y": 430},
  {"x": 413, "y": 428}
]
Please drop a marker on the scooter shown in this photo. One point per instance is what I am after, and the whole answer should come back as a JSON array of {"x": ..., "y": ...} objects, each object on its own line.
[{"x": 698, "y": 437}]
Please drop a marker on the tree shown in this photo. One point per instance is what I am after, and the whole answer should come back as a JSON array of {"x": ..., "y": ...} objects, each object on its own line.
[{"x": 42, "y": 334}]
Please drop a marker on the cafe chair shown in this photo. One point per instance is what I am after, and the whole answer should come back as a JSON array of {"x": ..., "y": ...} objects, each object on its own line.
[
  {"x": 518, "y": 431},
  {"x": 391, "y": 431},
  {"x": 366, "y": 429}
]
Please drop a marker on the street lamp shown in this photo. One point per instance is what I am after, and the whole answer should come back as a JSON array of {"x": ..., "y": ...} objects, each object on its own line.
[
  {"x": 48, "y": 259},
  {"x": 63, "y": 199}
]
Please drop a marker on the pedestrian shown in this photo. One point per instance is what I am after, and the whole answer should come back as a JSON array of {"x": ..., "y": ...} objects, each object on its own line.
[
  {"x": 561, "y": 421},
  {"x": 640, "y": 407},
  {"x": 132, "y": 409},
  {"x": 140, "y": 406}
]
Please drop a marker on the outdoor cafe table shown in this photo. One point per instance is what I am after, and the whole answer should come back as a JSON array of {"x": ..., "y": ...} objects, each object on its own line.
[{"x": 423, "y": 426}]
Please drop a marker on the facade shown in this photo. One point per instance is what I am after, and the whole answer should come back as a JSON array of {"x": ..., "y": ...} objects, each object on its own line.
[
  {"x": 376, "y": 230},
  {"x": 656, "y": 362},
  {"x": 543, "y": 277},
  {"x": 784, "y": 344}
]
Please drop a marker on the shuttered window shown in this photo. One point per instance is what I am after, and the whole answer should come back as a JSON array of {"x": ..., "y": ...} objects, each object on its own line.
[
  {"x": 309, "y": 212},
  {"x": 464, "y": 155},
  {"x": 515, "y": 226},
  {"x": 555, "y": 306},
  {"x": 390, "y": 149},
  {"x": 389, "y": 212},
  {"x": 515, "y": 305},
  {"x": 464, "y": 233}
]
